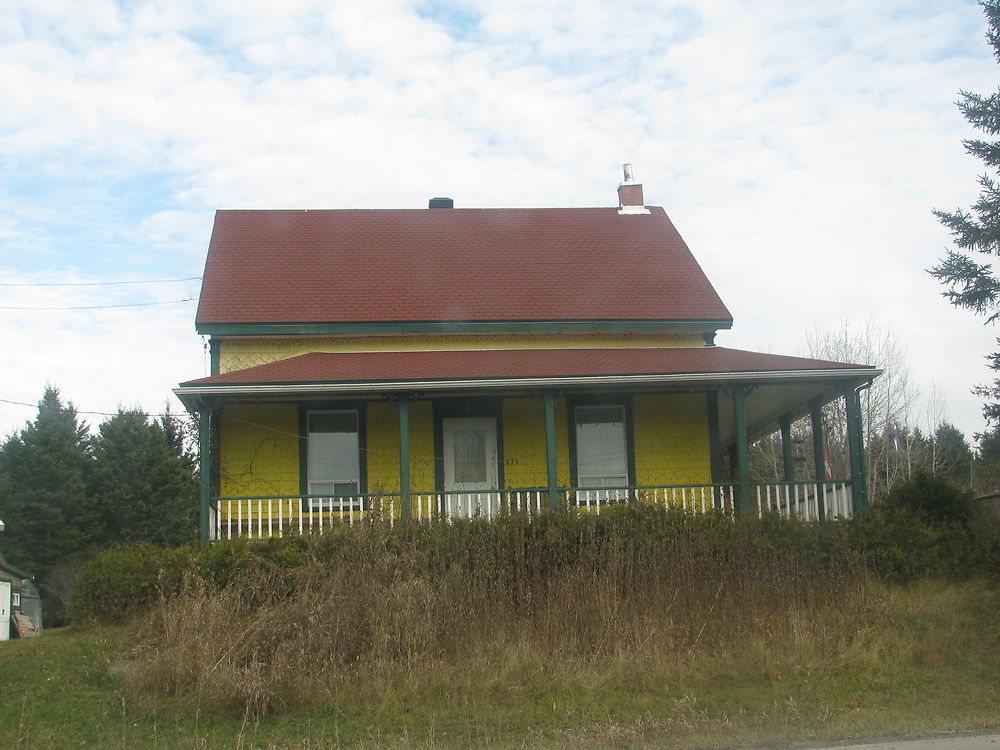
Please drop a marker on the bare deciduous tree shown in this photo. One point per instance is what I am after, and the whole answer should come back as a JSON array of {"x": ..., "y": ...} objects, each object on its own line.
[{"x": 886, "y": 405}]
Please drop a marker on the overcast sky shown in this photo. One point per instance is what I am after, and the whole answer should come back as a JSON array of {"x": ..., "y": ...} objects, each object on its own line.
[{"x": 799, "y": 147}]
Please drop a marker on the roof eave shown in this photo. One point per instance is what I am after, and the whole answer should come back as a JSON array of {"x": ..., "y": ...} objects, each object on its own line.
[
  {"x": 370, "y": 328},
  {"x": 193, "y": 396}
]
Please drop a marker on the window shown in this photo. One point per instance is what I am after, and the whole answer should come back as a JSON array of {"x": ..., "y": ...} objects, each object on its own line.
[
  {"x": 470, "y": 456},
  {"x": 601, "y": 458},
  {"x": 334, "y": 458}
]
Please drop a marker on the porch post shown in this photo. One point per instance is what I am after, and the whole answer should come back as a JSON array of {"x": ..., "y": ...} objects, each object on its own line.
[
  {"x": 742, "y": 452},
  {"x": 819, "y": 455},
  {"x": 715, "y": 448},
  {"x": 549, "y": 401},
  {"x": 787, "y": 456},
  {"x": 204, "y": 471},
  {"x": 856, "y": 448},
  {"x": 404, "y": 455}
]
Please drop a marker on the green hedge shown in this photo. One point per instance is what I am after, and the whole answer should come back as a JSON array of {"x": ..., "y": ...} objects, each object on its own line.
[
  {"x": 125, "y": 580},
  {"x": 897, "y": 540}
]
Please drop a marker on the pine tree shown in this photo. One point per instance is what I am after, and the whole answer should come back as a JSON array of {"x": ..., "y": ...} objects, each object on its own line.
[
  {"x": 43, "y": 489},
  {"x": 952, "y": 456},
  {"x": 143, "y": 481},
  {"x": 969, "y": 283}
]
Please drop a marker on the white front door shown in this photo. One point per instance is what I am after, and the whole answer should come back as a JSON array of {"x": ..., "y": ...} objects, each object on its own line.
[
  {"x": 5, "y": 599},
  {"x": 470, "y": 466}
]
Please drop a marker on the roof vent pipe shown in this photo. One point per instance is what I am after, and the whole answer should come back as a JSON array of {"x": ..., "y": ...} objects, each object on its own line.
[{"x": 440, "y": 203}]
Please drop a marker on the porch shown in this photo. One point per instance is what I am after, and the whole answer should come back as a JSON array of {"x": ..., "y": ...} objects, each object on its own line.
[
  {"x": 264, "y": 517},
  {"x": 322, "y": 439}
]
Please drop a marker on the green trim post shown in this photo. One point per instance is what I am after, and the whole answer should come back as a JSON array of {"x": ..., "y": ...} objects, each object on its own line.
[
  {"x": 742, "y": 449},
  {"x": 715, "y": 447},
  {"x": 404, "y": 454},
  {"x": 214, "y": 356},
  {"x": 856, "y": 448},
  {"x": 204, "y": 471},
  {"x": 787, "y": 454},
  {"x": 549, "y": 401},
  {"x": 819, "y": 454}
]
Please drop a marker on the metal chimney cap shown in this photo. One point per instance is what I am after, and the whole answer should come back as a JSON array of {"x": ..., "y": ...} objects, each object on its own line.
[{"x": 627, "y": 169}]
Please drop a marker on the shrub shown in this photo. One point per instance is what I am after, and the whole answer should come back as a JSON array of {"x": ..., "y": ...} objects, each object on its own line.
[
  {"x": 631, "y": 586},
  {"x": 125, "y": 580},
  {"x": 932, "y": 499},
  {"x": 925, "y": 527}
]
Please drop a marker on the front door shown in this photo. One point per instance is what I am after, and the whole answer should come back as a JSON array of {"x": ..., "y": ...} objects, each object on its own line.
[
  {"x": 470, "y": 466},
  {"x": 5, "y": 600}
]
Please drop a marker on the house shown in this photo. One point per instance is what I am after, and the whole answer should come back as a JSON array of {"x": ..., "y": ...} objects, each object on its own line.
[
  {"x": 455, "y": 361},
  {"x": 20, "y": 613}
]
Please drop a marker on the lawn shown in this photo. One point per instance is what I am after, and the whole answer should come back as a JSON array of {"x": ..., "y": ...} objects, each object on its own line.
[{"x": 926, "y": 660}]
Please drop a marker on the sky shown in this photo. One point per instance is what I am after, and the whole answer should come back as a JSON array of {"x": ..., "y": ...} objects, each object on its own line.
[{"x": 799, "y": 147}]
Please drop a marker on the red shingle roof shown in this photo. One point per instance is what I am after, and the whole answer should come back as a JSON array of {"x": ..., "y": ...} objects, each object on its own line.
[
  {"x": 322, "y": 367},
  {"x": 558, "y": 264}
]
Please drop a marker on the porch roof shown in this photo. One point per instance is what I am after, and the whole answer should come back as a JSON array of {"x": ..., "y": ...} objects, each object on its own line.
[
  {"x": 782, "y": 385},
  {"x": 516, "y": 368}
]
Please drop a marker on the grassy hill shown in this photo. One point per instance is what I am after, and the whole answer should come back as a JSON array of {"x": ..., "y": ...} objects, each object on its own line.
[
  {"x": 928, "y": 661},
  {"x": 639, "y": 628}
]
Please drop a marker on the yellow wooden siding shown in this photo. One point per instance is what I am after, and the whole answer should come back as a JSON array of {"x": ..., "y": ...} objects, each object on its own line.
[
  {"x": 383, "y": 447},
  {"x": 422, "y": 475},
  {"x": 260, "y": 445},
  {"x": 240, "y": 353},
  {"x": 260, "y": 450},
  {"x": 524, "y": 443},
  {"x": 671, "y": 439},
  {"x": 382, "y": 425}
]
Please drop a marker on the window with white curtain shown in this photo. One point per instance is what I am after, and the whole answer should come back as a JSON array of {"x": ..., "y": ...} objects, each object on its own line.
[
  {"x": 601, "y": 459},
  {"x": 333, "y": 455}
]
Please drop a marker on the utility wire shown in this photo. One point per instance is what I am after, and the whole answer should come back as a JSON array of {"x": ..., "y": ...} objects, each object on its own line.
[
  {"x": 101, "y": 307},
  {"x": 107, "y": 283},
  {"x": 97, "y": 413}
]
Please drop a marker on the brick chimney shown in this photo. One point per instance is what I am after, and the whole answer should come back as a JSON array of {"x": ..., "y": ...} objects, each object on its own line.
[{"x": 630, "y": 194}]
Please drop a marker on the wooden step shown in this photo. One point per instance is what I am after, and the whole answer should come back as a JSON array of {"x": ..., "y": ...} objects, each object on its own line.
[{"x": 23, "y": 625}]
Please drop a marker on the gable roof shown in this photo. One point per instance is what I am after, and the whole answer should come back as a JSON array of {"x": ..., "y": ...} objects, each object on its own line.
[
  {"x": 12, "y": 569},
  {"x": 457, "y": 265}
]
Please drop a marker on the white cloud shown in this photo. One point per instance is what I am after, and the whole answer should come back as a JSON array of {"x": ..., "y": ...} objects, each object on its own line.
[{"x": 798, "y": 146}]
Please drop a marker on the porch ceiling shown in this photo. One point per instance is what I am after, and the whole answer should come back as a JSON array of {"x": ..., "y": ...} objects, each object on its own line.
[
  {"x": 779, "y": 384},
  {"x": 767, "y": 402}
]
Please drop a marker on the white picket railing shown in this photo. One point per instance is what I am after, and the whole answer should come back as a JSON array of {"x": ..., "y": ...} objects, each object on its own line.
[
  {"x": 265, "y": 517},
  {"x": 696, "y": 498},
  {"x": 804, "y": 499}
]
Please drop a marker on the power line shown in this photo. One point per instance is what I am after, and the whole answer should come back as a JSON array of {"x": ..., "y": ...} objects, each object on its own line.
[
  {"x": 82, "y": 411},
  {"x": 101, "y": 307},
  {"x": 107, "y": 283}
]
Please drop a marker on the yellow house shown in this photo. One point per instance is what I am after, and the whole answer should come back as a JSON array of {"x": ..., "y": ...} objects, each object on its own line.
[{"x": 449, "y": 361}]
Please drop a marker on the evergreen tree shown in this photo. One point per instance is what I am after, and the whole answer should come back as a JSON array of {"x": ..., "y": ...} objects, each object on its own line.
[
  {"x": 986, "y": 466},
  {"x": 969, "y": 283},
  {"x": 43, "y": 488},
  {"x": 951, "y": 456},
  {"x": 143, "y": 481}
]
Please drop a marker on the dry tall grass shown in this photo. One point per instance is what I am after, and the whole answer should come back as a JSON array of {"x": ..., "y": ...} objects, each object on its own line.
[{"x": 382, "y": 615}]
